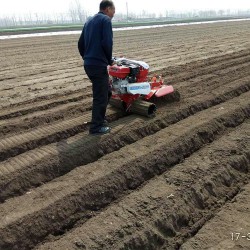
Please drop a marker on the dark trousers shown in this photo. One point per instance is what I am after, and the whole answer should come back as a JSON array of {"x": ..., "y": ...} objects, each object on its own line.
[{"x": 99, "y": 77}]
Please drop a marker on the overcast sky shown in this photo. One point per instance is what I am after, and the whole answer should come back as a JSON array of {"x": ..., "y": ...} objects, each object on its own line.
[{"x": 8, "y": 7}]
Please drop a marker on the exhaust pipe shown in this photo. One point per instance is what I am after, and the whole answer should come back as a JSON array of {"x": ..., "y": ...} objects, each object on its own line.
[{"x": 140, "y": 107}]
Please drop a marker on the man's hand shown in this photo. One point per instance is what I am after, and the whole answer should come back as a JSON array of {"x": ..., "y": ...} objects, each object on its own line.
[{"x": 113, "y": 61}]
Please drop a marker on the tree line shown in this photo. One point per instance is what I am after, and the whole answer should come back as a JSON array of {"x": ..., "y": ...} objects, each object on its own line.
[{"x": 77, "y": 15}]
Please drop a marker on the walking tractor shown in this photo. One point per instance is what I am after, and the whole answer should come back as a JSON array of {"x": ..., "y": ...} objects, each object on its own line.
[{"x": 132, "y": 92}]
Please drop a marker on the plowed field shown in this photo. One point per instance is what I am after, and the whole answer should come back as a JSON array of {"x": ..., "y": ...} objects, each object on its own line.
[{"x": 179, "y": 180}]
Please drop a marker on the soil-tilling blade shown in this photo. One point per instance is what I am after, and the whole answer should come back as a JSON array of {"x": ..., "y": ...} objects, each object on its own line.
[
  {"x": 117, "y": 103},
  {"x": 139, "y": 107},
  {"x": 144, "y": 108}
]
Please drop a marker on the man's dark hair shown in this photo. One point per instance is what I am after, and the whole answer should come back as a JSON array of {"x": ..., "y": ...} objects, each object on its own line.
[{"x": 105, "y": 4}]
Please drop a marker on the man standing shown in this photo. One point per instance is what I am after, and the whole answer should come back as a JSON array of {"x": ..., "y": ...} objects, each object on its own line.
[{"x": 95, "y": 46}]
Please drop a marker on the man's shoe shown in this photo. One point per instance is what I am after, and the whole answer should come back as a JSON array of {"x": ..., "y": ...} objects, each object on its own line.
[{"x": 103, "y": 130}]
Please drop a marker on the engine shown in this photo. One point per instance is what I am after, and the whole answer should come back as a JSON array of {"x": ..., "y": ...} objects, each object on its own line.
[
  {"x": 119, "y": 86},
  {"x": 128, "y": 77}
]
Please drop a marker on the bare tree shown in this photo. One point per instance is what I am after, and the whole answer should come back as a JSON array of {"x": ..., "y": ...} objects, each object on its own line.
[
  {"x": 72, "y": 13},
  {"x": 14, "y": 20},
  {"x": 77, "y": 12},
  {"x": 221, "y": 12},
  {"x": 80, "y": 11}
]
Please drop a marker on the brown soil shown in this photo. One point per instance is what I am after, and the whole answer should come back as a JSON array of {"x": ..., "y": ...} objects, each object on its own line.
[{"x": 176, "y": 181}]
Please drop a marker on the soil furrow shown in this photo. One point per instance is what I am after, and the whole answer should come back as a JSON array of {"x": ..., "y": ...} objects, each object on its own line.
[
  {"x": 225, "y": 50},
  {"x": 158, "y": 183},
  {"x": 201, "y": 67},
  {"x": 93, "y": 186},
  {"x": 9, "y": 127},
  {"x": 173, "y": 74},
  {"x": 39, "y": 119},
  {"x": 37, "y": 104},
  {"x": 231, "y": 224},
  {"x": 53, "y": 165},
  {"x": 168, "y": 209},
  {"x": 17, "y": 144},
  {"x": 160, "y": 60}
]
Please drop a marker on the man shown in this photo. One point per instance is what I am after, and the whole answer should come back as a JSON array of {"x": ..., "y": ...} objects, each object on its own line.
[{"x": 95, "y": 46}]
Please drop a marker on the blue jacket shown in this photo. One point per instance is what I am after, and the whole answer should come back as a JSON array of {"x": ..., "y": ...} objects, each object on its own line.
[{"x": 96, "y": 41}]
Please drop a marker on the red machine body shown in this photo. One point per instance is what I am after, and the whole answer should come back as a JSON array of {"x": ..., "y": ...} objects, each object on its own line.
[{"x": 129, "y": 82}]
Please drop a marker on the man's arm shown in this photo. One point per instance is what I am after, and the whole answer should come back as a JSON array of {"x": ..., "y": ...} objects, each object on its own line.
[
  {"x": 107, "y": 40},
  {"x": 81, "y": 43}
]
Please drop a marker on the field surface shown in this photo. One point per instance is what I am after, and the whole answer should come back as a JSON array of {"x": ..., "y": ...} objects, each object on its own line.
[{"x": 179, "y": 180}]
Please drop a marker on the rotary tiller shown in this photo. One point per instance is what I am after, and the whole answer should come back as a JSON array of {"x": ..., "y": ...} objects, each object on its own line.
[{"x": 132, "y": 92}]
